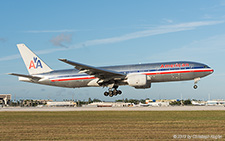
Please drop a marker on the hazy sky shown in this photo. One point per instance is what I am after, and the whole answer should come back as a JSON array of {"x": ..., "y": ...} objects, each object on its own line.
[{"x": 116, "y": 32}]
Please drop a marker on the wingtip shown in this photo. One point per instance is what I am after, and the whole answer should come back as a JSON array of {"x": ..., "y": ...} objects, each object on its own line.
[{"x": 64, "y": 60}]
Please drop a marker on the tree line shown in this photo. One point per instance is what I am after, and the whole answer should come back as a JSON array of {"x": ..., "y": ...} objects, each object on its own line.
[{"x": 33, "y": 103}]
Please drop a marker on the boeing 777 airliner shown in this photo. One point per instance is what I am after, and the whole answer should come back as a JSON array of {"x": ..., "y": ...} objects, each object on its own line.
[{"x": 139, "y": 76}]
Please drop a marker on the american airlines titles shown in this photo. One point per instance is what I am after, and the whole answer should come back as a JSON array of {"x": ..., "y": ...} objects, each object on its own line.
[{"x": 174, "y": 65}]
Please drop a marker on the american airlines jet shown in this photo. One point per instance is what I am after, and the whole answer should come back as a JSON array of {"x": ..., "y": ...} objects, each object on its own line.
[{"x": 139, "y": 76}]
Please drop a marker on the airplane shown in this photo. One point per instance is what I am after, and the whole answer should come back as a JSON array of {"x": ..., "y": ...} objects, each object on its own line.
[
  {"x": 197, "y": 103},
  {"x": 139, "y": 76}
]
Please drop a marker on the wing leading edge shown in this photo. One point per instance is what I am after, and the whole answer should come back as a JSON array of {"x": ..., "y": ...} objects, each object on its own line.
[{"x": 100, "y": 73}]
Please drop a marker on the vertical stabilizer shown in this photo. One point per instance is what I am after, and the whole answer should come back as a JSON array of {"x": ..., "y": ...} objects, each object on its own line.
[{"x": 33, "y": 63}]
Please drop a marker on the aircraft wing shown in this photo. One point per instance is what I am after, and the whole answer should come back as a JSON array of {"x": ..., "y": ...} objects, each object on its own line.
[
  {"x": 27, "y": 76},
  {"x": 97, "y": 72}
]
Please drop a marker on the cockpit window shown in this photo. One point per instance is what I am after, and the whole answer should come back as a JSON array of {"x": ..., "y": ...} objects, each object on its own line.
[{"x": 206, "y": 66}]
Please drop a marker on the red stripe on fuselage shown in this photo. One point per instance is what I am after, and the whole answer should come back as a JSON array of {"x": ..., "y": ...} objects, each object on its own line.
[
  {"x": 154, "y": 73},
  {"x": 69, "y": 79}
]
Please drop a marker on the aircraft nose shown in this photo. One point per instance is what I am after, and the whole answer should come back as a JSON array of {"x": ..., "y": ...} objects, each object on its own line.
[{"x": 211, "y": 71}]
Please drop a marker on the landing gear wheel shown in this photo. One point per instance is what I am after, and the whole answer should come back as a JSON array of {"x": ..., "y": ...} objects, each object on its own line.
[
  {"x": 111, "y": 95},
  {"x": 119, "y": 92},
  {"x": 115, "y": 92},
  {"x": 106, "y": 93},
  {"x": 195, "y": 87}
]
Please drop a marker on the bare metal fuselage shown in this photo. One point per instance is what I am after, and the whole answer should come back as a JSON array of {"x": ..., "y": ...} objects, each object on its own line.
[{"x": 156, "y": 72}]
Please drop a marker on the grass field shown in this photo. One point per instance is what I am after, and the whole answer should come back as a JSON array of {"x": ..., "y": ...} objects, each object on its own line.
[{"x": 110, "y": 125}]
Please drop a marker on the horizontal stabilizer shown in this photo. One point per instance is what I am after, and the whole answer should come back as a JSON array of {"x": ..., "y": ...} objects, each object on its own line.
[{"x": 27, "y": 76}]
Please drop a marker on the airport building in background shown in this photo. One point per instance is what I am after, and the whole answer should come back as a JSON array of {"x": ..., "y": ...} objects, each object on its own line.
[
  {"x": 5, "y": 99},
  {"x": 31, "y": 103},
  {"x": 215, "y": 102},
  {"x": 108, "y": 104},
  {"x": 61, "y": 104}
]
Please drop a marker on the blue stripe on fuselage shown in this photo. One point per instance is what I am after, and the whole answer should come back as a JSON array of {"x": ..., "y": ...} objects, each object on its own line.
[{"x": 127, "y": 72}]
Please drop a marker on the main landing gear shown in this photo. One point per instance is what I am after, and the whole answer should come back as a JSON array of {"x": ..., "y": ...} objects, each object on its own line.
[
  {"x": 112, "y": 92},
  {"x": 196, "y": 81}
]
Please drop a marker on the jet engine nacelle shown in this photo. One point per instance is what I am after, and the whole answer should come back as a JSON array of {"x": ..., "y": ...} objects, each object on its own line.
[{"x": 139, "y": 81}]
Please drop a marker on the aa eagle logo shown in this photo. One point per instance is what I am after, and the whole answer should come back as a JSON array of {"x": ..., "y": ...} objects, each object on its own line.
[{"x": 35, "y": 63}]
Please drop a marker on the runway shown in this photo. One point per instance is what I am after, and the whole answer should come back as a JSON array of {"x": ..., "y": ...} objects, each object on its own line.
[{"x": 169, "y": 108}]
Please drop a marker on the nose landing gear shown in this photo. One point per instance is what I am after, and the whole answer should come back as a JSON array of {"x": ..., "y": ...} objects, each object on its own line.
[
  {"x": 196, "y": 81},
  {"x": 195, "y": 86}
]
